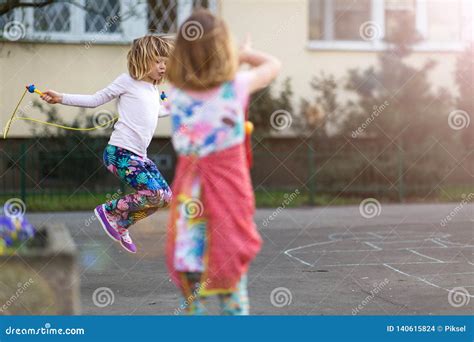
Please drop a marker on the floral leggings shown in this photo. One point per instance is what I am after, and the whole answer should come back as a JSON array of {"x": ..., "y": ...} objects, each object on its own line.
[
  {"x": 152, "y": 191},
  {"x": 189, "y": 258},
  {"x": 235, "y": 303}
]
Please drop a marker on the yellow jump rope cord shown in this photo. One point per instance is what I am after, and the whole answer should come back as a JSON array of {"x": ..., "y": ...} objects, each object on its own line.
[
  {"x": 9, "y": 122},
  {"x": 68, "y": 127}
]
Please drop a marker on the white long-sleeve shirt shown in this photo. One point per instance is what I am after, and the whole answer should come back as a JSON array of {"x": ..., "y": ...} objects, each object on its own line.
[{"x": 138, "y": 105}]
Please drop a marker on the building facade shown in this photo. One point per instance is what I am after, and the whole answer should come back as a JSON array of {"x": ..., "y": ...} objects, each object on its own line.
[{"x": 81, "y": 46}]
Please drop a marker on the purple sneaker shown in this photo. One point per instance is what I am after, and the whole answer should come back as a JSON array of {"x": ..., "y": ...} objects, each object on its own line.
[
  {"x": 109, "y": 227},
  {"x": 126, "y": 241}
]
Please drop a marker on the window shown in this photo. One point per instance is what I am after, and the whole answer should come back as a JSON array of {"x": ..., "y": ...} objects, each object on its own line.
[
  {"x": 6, "y": 18},
  {"x": 394, "y": 11},
  {"x": 444, "y": 24},
  {"x": 101, "y": 14},
  {"x": 349, "y": 16},
  {"x": 368, "y": 24},
  {"x": 54, "y": 18},
  {"x": 162, "y": 15},
  {"x": 101, "y": 20},
  {"x": 81, "y": 20},
  {"x": 316, "y": 20},
  {"x": 338, "y": 19}
]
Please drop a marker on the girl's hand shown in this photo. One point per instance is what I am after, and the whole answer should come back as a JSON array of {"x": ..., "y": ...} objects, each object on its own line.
[
  {"x": 52, "y": 96},
  {"x": 264, "y": 68},
  {"x": 245, "y": 49}
]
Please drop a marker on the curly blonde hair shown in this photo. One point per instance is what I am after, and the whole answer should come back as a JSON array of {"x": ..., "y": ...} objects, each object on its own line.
[
  {"x": 204, "y": 55},
  {"x": 144, "y": 52}
]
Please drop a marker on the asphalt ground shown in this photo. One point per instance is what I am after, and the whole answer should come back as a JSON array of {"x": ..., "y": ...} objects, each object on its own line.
[{"x": 406, "y": 260}]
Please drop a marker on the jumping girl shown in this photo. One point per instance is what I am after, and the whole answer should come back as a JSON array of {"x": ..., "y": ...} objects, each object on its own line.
[
  {"x": 139, "y": 106},
  {"x": 212, "y": 237}
]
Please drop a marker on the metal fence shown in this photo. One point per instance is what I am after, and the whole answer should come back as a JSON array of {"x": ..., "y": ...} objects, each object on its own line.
[
  {"x": 51, "y": 170},
  {"x": 351, "y": 168},
  {"x": 67, "y": 170}
]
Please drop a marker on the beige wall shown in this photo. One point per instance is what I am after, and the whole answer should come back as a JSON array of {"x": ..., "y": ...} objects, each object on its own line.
[
  {"x": 69, "y": 68},
  {"x": 276, "y": 26},
  {"x": 280, "y": 27}
]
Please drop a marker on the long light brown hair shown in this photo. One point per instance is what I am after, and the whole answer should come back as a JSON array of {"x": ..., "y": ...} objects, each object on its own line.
[
  {"x": 144, "y": 52},
  {"x": 204, "y": 55}
]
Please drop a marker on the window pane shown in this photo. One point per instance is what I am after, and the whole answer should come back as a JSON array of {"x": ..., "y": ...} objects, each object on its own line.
[
  {"x": 349, "y": 15},
  {"x": 200, "y": 3},
  {"x": 444, "y": 20},
  {"x": 103, "y": 16},
  {"x": 316, "y": 24},
  {"x": 162, "y": 16},
  {"x": 395, "y": 10},
  {"x": 10, "y": 28},
  {"x": 400, "y": 5},
  {"x": 467, "y": 24},
  {"x": 4, "y": 19},
  {"x": 52, "y": 18}
]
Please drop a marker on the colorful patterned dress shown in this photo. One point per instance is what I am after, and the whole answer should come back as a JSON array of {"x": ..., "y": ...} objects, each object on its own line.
[{"x": 204, "y": 123}]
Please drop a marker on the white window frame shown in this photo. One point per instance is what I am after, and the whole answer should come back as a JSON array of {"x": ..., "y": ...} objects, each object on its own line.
[
  {"x": 378, "y": 18},
  {"x": 130, "y": 28}
]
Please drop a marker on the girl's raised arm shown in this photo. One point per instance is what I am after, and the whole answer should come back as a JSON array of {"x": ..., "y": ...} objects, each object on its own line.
[
  {"x": 264, "y": 67},
  {"x": 112, "y": 91}
]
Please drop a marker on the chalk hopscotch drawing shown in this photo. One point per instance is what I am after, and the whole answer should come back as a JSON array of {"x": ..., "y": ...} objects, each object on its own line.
[{"x": 391, "y": 250}]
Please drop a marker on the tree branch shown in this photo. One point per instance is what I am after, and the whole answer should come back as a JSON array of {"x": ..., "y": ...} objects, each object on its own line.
[{"x": 10, "y": 5}]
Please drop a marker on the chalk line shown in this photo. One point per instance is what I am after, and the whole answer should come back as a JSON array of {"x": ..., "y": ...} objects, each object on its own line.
[
  {"x": 421, "y": 279},
  {"x": 425, "y": 256}
]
